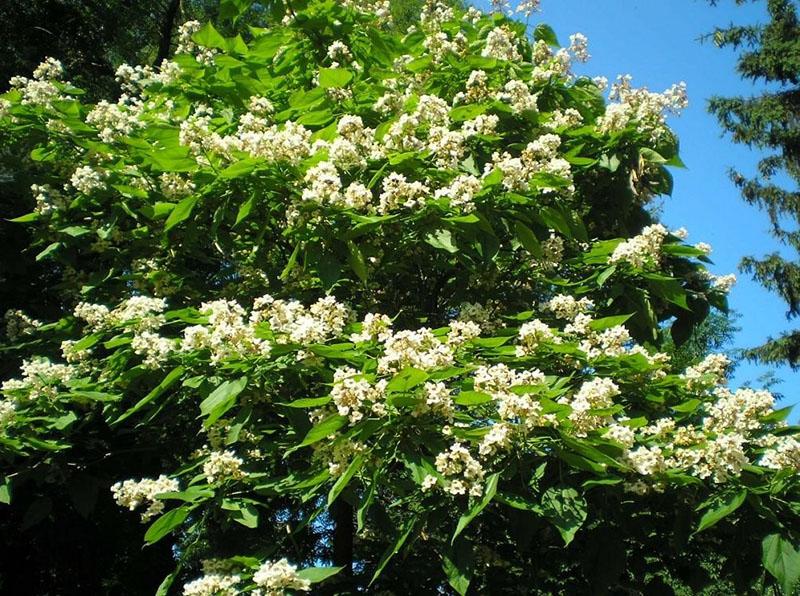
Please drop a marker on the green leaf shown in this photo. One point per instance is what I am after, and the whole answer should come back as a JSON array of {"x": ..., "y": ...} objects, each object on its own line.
[
  {"x": 546, "y": 34},
  {"x": 165, "y": 384},
  {"x": 345, "y": 478},
  {"x": 5, "y": 491},
  {"x": 719, "y": 507},
  {"x": 782, "y": 561},
  {"x": 457, "y": 562},
  {"x": 395, "y": 547},
  {"x": 608, "y": 322},
  {"x": 318, "y": 574},
  {"x": 668, "y": 289},
  {"x": 233, "y": 9},
  {"x": 441, "y": 239},
  {"x": 566, "y": 510},
  {"x": 527, "y": 239},
  {"x": 244, "y": 210},
  {"x": 406, "y": 379},
  {"x": 356, "y": 260},
  {"x": 322, "y": 429},
  {"x": 27, "y": 218},
  {"x": 166, "y": 583},
  {"x": 209, "y": 37},
  {"x": 334, "y": 77},
  {"x": 165, "y": 524},
  {"x": 240, "y": 168},
  {"x": 468, "y": 112},
  {"x": 221, "y": 400},
  {"x": 182, "y": 211},
  {"x": 488, "y": 494},
  {"x": 472, "y": 398},
  {"x": 245, "y": 514},
  {"x": 51, "y": 248},
  {"x": 308, "y": 402}
]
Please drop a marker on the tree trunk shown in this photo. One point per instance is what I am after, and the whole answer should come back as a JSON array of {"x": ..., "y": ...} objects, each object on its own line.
[
  {"x": 342, "y": 513},
  {"x": 167, "y": 27}
]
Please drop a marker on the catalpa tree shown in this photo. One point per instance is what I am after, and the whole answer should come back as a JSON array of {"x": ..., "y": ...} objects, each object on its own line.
[{"x": 349, "y": 308}]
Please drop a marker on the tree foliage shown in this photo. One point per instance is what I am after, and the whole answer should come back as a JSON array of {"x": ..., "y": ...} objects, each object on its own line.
[
  {"x": 386, "y": 304},
  {"x": 770, "y": 54}
]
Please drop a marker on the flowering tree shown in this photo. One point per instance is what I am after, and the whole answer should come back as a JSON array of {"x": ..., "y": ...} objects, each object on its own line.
[{"x": 382, "y": 310}]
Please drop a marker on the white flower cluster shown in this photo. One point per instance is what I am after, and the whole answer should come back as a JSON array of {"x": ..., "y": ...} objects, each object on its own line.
[
  {"x": 540, "y": 156},
  {"x": 186, "y": 45},
  {"x": 354, "y": 396},
  {"x": 463, "y": 473},
  {"x": 419, "y": 349},
  {"x": 501, "y": 43},
  {"x": 7, "y": 413},
  {"x": 782, "y": 454},
  {"x": 339, "y": 456},
  {"x": 155, "y": 348},
  {"x": 532, "y": 334},
  {"x": 291, "y": 322},
  {"x": 579, "y": 47},
  {"x": 40, "y": 378},
  {"x": 18, "y": 324},
  {"x": 86, "y": 179},
  {"x": 499, "y": 382},
  {"x": 595, "y": 394},
  {"x": 438, "y": 400},
  {"x": 48, "y": 199},
  {"x": 518, "y": 96},
  {"x": 564, "y": 306},
  {"x": 133, "y": 494},
  {"x": 115, "y": 121},
  {"x": 461, "y": 332},
  {"x": 227, "y": 333},
  {"x": 133, "y": 79},
  {"x": 288, "y": 142},
  {"x": 140, "y": 313},
  {"x": 738, "y": 411},
  {"x": 497, "y": 439},
  {"x": 373, "y": 327},
  {"x": 222, "y": 466},
  {"x": 274, "y": 578},
  {"x": 709, "y": 372},
  {"x": 174, "y": 186},
  {"x": 398, "y": 192},
  {"x": 213, "y": 584},
  {"x": 642, "y": 251},
  {"x": 42, "y": 89},
  {"x": 640, "y": 107}
]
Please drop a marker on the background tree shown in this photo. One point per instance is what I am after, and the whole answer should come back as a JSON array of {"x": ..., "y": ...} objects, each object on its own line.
[{"x": 770, "y": 121}]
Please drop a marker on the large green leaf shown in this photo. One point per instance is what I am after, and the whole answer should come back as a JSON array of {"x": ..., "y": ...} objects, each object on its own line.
[
  {"x": 221, "y": 400},
  {"x": 488, "y": 494},
  {"x": 566, "y": 510},
  {"x": 318, "y": 574},
  {"x": 181, "y": 212},
  {"x": 166, "y": 523},
  {"x": 344, "y": 479},
  {"x": 334, "y": 77},
  {"x": 719, "y": 507},
  {"x": 159, "y": 390},
  {"x": 782, "y": 561}
]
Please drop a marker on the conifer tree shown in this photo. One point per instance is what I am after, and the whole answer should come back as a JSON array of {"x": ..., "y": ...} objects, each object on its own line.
[{"x": 770, "y": 121}]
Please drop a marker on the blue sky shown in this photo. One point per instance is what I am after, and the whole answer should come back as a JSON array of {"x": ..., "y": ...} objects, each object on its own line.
[{"x": 657, "y": 42}]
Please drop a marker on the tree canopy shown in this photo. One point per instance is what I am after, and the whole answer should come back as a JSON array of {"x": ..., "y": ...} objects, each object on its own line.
[{"x": 346, "y": 306}]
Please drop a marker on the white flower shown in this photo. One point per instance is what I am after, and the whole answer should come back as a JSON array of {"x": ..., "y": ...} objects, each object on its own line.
[
  {"x": 132, "y": 494},
  {"x": 278, "y": 576},
  {"x": 222, "y": 466}
]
